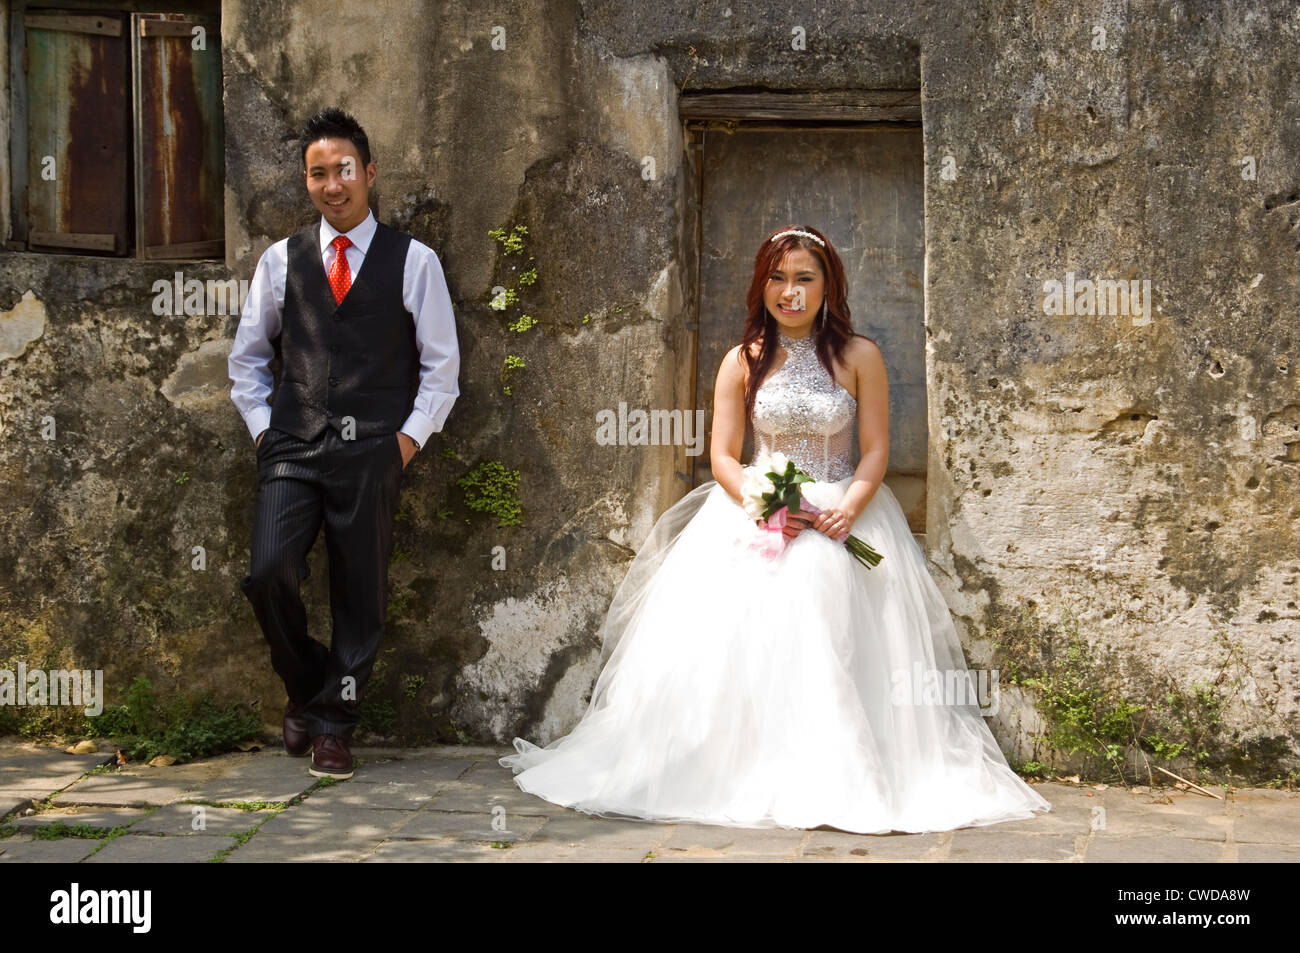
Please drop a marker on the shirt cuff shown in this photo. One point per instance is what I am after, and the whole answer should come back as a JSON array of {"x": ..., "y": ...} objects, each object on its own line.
[
  {"x": 258, "y": 421},
  {"x": 418, "y": 427}
]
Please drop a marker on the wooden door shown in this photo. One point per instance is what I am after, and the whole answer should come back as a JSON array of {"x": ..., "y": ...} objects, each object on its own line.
[{"x": 861, "y": 185}]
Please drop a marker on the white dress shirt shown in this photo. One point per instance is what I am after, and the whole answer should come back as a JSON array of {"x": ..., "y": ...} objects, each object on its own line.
[{"x": 424, "y": 293}]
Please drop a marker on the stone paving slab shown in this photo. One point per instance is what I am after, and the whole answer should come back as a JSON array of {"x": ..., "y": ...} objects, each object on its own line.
[
  {"x": 44, "y": 767},
  {"x": 568, "y": 853},
  {"x": 123, "y": 790},
  {"x": 179, "y": 820},
  {"x": 395, "y": 795},
  {"x": 675, "y": 857},
  {"x": 270, "y": 776},
  {"x": 837, "y": 845},
  {"x": 12, "y": 801},
  {"x": 1267, "y": 854},
  {"x": 433, "y": 852},
  {"x": 1073, "y": 810},
  {"x": 1266, "y": 817},
  {"x": 29, "y": 850},
  {"x": 339, "y": 824},
  {"x": 704, "y": 839},
  {"x": 1132, "y": 824},
  {"x": 481, "y": 799},
  {"x": 477, "y": 828},
  {"x": 153, "y": 849},
  {"x": 411, "y": 769},
  {"x": 265, "y": 848},
  {"x": 1267, "y": 830},
  {"x": 596, "y": 833},
  {"x": 1153, "y": 850},
  {"x": 988, "y": 844},
  {"x": 104, "y": 818},
  {"x": 1129, "y": 814}
]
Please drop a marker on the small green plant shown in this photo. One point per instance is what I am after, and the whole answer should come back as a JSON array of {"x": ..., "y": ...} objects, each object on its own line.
[
  {"x": 399, "y": 604},
  {"x": 412, "y": 683},
  {"x": 1164, "y": 750},
  {"x": 185, "y": 728},
  {"x": 503, "y": 299},
  {"x": 377, "y": 716},
  {"x": 512, "y": 363},
  {"x": 490, "y": 488},
  {"x": 239, "y": 839},
  {"x": 507, "y": 296},
  {"x": 59, "y": 831},
  {"x": 512, "y": 242},
  {"x": 1287, "y": 781},
  {"x": 243, "y": 805}
]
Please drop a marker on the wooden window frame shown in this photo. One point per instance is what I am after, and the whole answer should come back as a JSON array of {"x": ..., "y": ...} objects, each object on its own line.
[{"x": 22, "y": 236}]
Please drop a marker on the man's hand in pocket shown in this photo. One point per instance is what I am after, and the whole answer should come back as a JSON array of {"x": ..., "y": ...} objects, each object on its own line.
[{"x": 407, "y": 446}]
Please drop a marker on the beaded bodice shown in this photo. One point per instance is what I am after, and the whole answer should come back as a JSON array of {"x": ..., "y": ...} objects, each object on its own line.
[{"x": 803, "y": 412}]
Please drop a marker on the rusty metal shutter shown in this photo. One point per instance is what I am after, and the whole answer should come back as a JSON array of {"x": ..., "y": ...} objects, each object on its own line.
[
  {"x": 78, "y": 131},
  {"x": 179, "y": 159}
]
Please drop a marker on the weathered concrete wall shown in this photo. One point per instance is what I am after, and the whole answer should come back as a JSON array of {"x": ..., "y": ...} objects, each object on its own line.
[
  {"x": 1142, "y": 476},
  {"x": 1139, "y": 476}
]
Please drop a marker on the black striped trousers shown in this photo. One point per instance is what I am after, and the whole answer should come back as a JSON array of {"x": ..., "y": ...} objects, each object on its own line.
[{"x": 352, "y": 487}]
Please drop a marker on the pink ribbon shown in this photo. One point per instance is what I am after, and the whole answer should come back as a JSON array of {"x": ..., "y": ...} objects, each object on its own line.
[{"x": 771, "y": 541}]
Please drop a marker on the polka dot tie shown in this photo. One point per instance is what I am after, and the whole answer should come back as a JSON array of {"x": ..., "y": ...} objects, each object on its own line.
[{"x": 340, "y": 274}]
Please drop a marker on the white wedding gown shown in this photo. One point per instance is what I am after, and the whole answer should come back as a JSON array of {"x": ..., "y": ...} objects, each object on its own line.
[{"x": 745, "y": 692}]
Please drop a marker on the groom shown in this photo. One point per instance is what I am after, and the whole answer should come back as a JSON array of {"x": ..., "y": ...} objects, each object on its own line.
[{"x": 360, "y": 316}]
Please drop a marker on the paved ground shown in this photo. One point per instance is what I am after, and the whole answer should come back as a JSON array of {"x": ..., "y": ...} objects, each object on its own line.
[{"x": 458, "y": 804}]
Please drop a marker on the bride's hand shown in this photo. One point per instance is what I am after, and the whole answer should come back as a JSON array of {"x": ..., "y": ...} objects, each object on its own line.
[
  {"x": 833, "y": 522},
  {"x": 794, "y": 525}
]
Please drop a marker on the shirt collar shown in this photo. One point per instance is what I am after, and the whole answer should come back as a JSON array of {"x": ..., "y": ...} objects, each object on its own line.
[{"x": 360, "y": 235}]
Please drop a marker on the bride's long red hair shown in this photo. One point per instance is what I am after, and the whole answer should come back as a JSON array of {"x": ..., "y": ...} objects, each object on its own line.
[{"x": 832, "y": 335}]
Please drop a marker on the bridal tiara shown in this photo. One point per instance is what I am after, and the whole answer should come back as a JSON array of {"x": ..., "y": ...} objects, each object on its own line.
[{"x": 802, "y": 234}]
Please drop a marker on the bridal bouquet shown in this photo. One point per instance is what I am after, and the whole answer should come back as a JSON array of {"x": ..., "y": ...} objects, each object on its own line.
[{"x": 770, "y": 490}]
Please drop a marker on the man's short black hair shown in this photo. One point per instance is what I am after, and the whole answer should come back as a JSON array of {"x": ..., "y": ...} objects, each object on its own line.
[{"x": 334, "y": 123}]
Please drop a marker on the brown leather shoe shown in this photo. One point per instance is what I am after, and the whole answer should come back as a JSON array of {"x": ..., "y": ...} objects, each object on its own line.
[
  {"x": 296, "y": 740},
  {"x": 330, "y": 757}
]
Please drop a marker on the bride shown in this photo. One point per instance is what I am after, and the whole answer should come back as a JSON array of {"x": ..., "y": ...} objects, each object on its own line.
[{"x": 747, "y": 691}]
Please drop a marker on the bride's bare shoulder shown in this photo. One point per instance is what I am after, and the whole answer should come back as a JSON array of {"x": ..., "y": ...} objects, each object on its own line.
[
  {"x": 862, "y": 352},
  {"x": 862, "y": 356},
  {"x": 734, "y": 366}
]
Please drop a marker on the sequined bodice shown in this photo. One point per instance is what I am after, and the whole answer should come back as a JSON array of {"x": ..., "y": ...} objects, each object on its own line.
[{"x": 802, "y": 412}]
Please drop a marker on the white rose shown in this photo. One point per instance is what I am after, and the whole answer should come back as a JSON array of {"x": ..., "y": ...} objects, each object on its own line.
[{"x": 753, "y": 485}]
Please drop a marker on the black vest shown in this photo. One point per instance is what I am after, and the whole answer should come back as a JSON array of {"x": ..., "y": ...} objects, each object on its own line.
[{"x": 355, "y": 360}]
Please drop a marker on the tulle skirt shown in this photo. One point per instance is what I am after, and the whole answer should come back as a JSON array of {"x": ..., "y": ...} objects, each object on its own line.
[{"x": 745, "y": 691}]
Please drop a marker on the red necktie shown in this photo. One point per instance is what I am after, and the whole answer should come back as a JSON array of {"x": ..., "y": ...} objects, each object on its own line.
[{"x": 340, "y": 274}]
